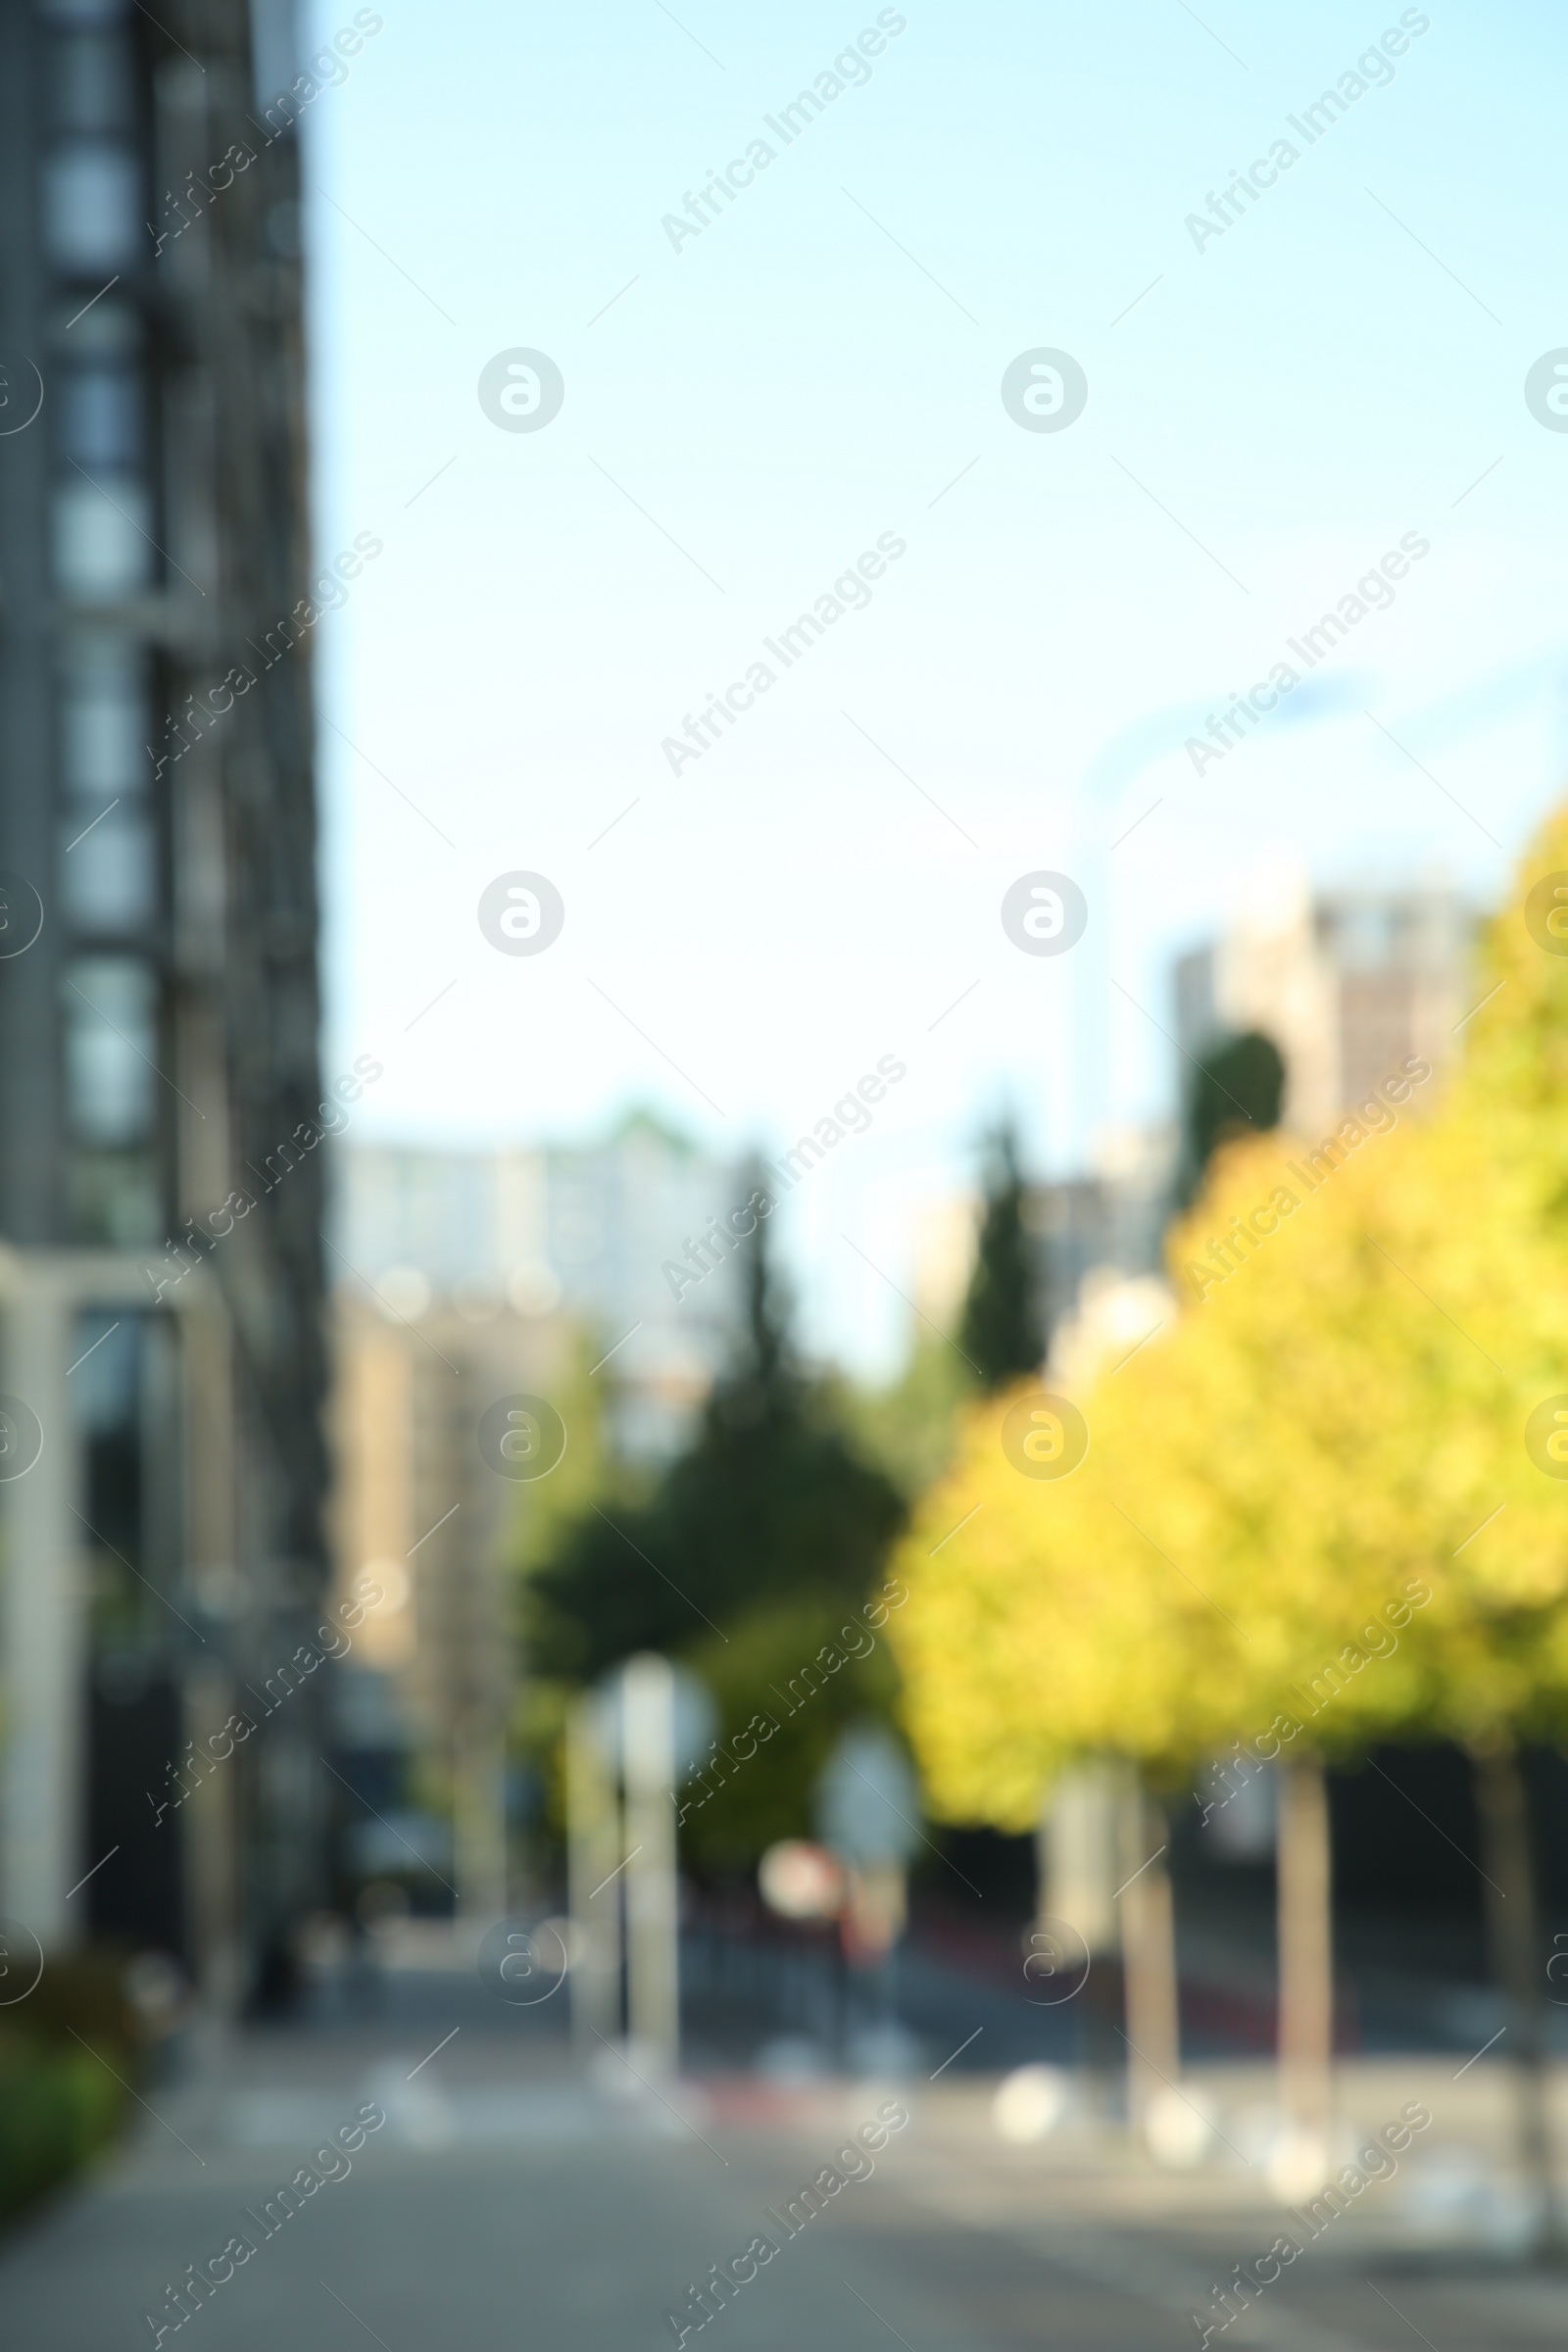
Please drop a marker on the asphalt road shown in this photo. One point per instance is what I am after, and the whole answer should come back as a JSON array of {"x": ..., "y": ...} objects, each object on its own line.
[{"x": 507, "y": 2202}]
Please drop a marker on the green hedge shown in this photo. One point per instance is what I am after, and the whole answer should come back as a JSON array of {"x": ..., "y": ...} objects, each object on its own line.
[
  {"x": 57, "y": 2109},
  {"x": 58, "y": 2102}
]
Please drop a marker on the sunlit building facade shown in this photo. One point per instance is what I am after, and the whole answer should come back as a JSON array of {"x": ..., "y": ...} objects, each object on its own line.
[{"x": 1346, "y": 983}]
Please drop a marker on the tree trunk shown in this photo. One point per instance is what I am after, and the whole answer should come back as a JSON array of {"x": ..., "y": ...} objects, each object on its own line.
[
  {"x": 1509, "y": 1880},
  {"x": 1305, "y": 1938},
  {"x": 1079, "y": 1867},
  {"x": 1149, "y": 1957}
]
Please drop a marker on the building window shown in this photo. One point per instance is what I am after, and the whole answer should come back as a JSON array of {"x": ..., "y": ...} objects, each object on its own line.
[
  {"x": 91, "y": 81},
  {"x": 110, "y": 1008},
  {"x": 105, "y": 723},
  {"x": 101, "y": 539},
  {"x": 84, "y": 14},
  {"x": 91, "y": 206},
  {"x": 109, "y": 871},
  {"x": 101, "y": 417}
]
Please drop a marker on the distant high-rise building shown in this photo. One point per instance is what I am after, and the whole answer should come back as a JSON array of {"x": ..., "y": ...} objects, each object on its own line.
[
  {"x": 586, "y": 1230},
  {"x": 1346, "y": 983},
  {"x": 467, "y": 1279},
  {"x": 161, "y": 1468},
  {"x": 422, "y": 1512},
  {"x": 947, "y": 1232},
  {"x": 1107, "y": 1223}
]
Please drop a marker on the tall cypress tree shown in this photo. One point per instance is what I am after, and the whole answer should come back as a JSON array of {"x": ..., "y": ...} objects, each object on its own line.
[
  {"x": 1236, "y": 1089},
  {"x": 771, "y": 1504},
  {"x": 1000, "y": 1332}
]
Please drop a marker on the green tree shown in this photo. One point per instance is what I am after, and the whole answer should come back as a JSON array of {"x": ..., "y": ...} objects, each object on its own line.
[
  {"x": 757, "y": 1547},
  {"x": 1000, "y": 1332},
  {"x": 910, "y": 1425},
  {"x": 1237, "y": 1089}
]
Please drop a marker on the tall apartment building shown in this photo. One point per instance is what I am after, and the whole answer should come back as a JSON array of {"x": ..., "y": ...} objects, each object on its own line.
[
  {"x": 1109, "y": 1223},
  {"x": 1346, "y": 983},
  {"x": 161, "y": 1469},
  {"x": 467, "y": 1278},
  {"x": 585, "y": 1231},
  {"x": 421, "y": 1513}
]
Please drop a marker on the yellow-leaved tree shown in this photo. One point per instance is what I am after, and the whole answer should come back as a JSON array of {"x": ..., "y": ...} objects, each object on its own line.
[{"x": 1324, "y": 1510}]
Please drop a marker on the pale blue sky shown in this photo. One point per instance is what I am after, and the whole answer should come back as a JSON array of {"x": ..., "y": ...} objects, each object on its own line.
[{"x": 1335, "y": 372}]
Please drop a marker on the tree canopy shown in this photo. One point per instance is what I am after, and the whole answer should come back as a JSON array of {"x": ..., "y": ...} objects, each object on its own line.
[
  {"x": 1238, "y": 1087},
  {"x": 757, "y": 1548},
  {"x": 1335, "y": 1426}
]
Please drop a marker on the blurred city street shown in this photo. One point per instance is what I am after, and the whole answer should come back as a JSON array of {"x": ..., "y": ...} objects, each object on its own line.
[
  {"x": 507, "y": 2200},
  {"x": 783, "y": 1177}
]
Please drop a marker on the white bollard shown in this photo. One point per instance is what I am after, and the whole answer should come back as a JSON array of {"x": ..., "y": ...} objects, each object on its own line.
[
  {"x": 653, "y": 1988},
  {"x": 593, "y": 1852}
]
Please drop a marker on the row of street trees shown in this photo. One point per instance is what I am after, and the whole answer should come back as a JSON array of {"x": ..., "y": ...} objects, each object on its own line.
[{"x": 1323, "y": 1509}]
